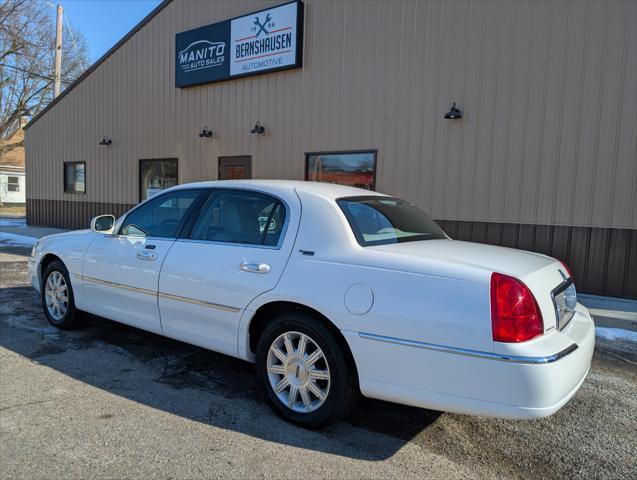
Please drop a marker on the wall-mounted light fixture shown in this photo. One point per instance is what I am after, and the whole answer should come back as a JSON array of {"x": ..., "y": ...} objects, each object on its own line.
[
  {"x": 205, "y": 133},
  {"x": 454, "y": 113},
  {"x": 258, "y": 129},
  {"x": 106, "y": 141}
]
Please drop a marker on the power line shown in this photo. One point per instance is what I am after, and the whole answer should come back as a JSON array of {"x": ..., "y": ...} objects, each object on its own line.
[
  {"x": 68, "y": 27},
  {"x": 77, "y": 51}
]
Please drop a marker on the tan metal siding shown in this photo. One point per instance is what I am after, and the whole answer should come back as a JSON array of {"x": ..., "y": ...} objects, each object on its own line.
[{"x": 548, "y": 90}]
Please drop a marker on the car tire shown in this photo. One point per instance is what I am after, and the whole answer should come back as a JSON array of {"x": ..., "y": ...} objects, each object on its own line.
[
  {"x": 322, "y": 378},
  {"x": 57, "y": 297}
]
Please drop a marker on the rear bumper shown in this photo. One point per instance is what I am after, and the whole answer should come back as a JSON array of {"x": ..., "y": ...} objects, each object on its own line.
[{"x": 497, "y": 385}]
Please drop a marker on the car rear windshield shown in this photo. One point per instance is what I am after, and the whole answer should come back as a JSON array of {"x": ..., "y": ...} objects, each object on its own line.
[{"x": 378, "y": 220}]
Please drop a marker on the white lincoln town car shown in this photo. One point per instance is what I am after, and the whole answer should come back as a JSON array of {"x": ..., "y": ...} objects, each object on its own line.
[{"x": 331, "y": 291}]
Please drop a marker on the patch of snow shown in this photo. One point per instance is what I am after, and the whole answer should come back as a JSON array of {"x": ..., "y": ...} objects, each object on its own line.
[
  {"x": 13, "y": 222},
  {"x": 616, "y": 334},
  {"x": 14, "y": 240}
]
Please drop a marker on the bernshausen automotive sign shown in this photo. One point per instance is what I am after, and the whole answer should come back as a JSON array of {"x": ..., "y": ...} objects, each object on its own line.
[{"x": 260, "y": 42}]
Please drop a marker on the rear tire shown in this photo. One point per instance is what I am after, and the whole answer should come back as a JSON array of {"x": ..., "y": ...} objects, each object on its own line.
[
  {"x": 57, "y": 297},
  {"x": 304, "y": 372}
]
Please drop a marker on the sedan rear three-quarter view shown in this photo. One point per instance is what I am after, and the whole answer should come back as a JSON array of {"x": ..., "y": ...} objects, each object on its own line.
[{"x": 332, "y": 292}]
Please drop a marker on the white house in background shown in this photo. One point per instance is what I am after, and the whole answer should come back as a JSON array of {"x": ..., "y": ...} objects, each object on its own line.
[
  {"x": 12, "y": 179},
  {"x": 12, "y": 185}
]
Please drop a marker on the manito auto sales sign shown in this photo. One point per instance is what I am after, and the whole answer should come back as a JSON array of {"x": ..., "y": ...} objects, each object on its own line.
[{"x": 252, "y": 44}]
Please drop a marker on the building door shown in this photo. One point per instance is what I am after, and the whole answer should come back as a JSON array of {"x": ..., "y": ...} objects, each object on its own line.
[{"x": 235, "y": 168}]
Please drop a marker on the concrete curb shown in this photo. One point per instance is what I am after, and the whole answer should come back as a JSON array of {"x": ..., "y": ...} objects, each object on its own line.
[{"x": 611, "y": 312}]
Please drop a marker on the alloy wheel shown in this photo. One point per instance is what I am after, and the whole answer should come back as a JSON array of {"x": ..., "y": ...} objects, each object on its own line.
[
  {"x": 298, "y": 372},
  {"x": 57, "y": 295}
]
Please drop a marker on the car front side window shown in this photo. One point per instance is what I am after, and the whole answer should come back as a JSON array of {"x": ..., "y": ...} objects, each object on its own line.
[
  {"x": 240, "y": 217},
  {"x": 161, "y": 216}
]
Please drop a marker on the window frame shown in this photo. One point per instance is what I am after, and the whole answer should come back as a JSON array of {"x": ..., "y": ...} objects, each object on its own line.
[
  {"x": 66, "y": 186},
  {"x": 373, "y": 151},
  {"x": 213, "y": 192},
  {"x": 139, "y": 172},
  {"x": 13, "y": 184},
  {"x": 191, "y": 212}
]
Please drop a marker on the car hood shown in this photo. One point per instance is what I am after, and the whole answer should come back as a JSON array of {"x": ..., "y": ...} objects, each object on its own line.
[
  {"x": 72, "y": 234},
  {"x": 497, "y": 259}
]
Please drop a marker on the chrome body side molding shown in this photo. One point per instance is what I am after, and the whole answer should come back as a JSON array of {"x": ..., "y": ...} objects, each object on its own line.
[
  {"x": 194, "y": 301},
  {"x": 470, "y": 353},
  {"x": 169, "y": 296},
  {"x": 116, "y": 285}
]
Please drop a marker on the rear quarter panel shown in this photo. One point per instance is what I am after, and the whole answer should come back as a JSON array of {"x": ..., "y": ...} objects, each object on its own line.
[{"x": 448, "y": 305}]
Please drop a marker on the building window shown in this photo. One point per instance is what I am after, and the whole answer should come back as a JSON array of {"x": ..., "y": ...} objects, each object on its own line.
[
  {"x": 356, "y": 169},
  {"x": 74, "y": 177},
  {"x": 155, "y": 176},
  {"x": 13, "y": 184}
]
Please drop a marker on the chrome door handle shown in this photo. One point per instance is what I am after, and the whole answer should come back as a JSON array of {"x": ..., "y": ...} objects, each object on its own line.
[
  {"x": 255, "y": 267},
  {"x": 146, "y": 256}
]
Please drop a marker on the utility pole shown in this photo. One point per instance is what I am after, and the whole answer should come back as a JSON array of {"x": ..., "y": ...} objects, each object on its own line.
[{"x": 58, "y": 51}]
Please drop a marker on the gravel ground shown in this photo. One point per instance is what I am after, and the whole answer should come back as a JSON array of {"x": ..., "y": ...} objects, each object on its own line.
[{"x": 113, "y": 401}]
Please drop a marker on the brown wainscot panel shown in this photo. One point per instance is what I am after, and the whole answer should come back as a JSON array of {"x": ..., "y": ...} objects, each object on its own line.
[{"x": 68, "y": 214}]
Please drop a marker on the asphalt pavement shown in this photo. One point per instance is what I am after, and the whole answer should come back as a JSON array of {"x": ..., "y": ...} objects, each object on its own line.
[{"x": 111, "y": 401}]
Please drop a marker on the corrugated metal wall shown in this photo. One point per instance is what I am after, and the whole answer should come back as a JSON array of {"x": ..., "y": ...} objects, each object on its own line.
[{"x": 549, "y": 91}]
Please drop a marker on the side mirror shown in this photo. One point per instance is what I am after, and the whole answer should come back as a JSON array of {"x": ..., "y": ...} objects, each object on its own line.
[{"x": 103, "y": 223}]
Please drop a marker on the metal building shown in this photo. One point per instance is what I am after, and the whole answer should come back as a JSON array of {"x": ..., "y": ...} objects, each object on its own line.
[{"x": 544, "y": 157}]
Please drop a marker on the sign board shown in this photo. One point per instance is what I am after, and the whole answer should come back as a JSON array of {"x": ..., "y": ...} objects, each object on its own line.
[{"x": 260, "y": 42}]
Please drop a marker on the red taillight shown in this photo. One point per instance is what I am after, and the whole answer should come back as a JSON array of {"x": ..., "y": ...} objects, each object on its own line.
[
  {"x": 568, "y": 270},
  {"x": 515, "y": 315}
]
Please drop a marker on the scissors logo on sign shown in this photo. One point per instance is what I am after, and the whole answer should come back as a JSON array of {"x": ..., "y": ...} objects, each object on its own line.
[{"x": 262, "y": 25}]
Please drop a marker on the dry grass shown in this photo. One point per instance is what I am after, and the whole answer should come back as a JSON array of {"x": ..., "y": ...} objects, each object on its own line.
[{"x": 13, "y": 211}]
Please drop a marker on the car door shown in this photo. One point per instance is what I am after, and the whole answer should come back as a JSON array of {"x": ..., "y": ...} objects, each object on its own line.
[
  {"x": 236, "y": 249},
  {"x": 120, "y": 271}
]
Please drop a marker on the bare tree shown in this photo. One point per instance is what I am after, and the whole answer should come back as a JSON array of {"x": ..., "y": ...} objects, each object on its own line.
[{"x": 27, "y": 43}]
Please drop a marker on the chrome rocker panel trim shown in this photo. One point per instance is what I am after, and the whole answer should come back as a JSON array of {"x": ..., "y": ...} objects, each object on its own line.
[{"x": 470, "y": 353}]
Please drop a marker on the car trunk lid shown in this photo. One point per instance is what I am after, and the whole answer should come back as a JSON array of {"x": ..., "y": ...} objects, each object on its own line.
[{"x": 545, "y": 276}]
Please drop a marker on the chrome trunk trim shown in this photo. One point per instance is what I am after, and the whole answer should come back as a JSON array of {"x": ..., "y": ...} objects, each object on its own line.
[{"x": 562, "y": 318}]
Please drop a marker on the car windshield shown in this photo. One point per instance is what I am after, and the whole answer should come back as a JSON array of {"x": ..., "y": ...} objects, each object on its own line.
[{"x": 378, "y": 220}]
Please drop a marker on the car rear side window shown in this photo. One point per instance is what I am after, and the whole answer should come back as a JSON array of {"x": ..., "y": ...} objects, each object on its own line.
[
  {"x": 378, "y": 220},
  {"x": 235, "y": 216}
]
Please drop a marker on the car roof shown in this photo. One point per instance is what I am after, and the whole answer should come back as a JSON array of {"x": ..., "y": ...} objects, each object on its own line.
[{"x": 328, "y": 190}]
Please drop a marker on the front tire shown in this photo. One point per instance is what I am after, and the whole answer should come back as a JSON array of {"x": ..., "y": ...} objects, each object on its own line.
[
  {"x": 305, "y": 373},
  {"x": 57, "y": 297}
]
